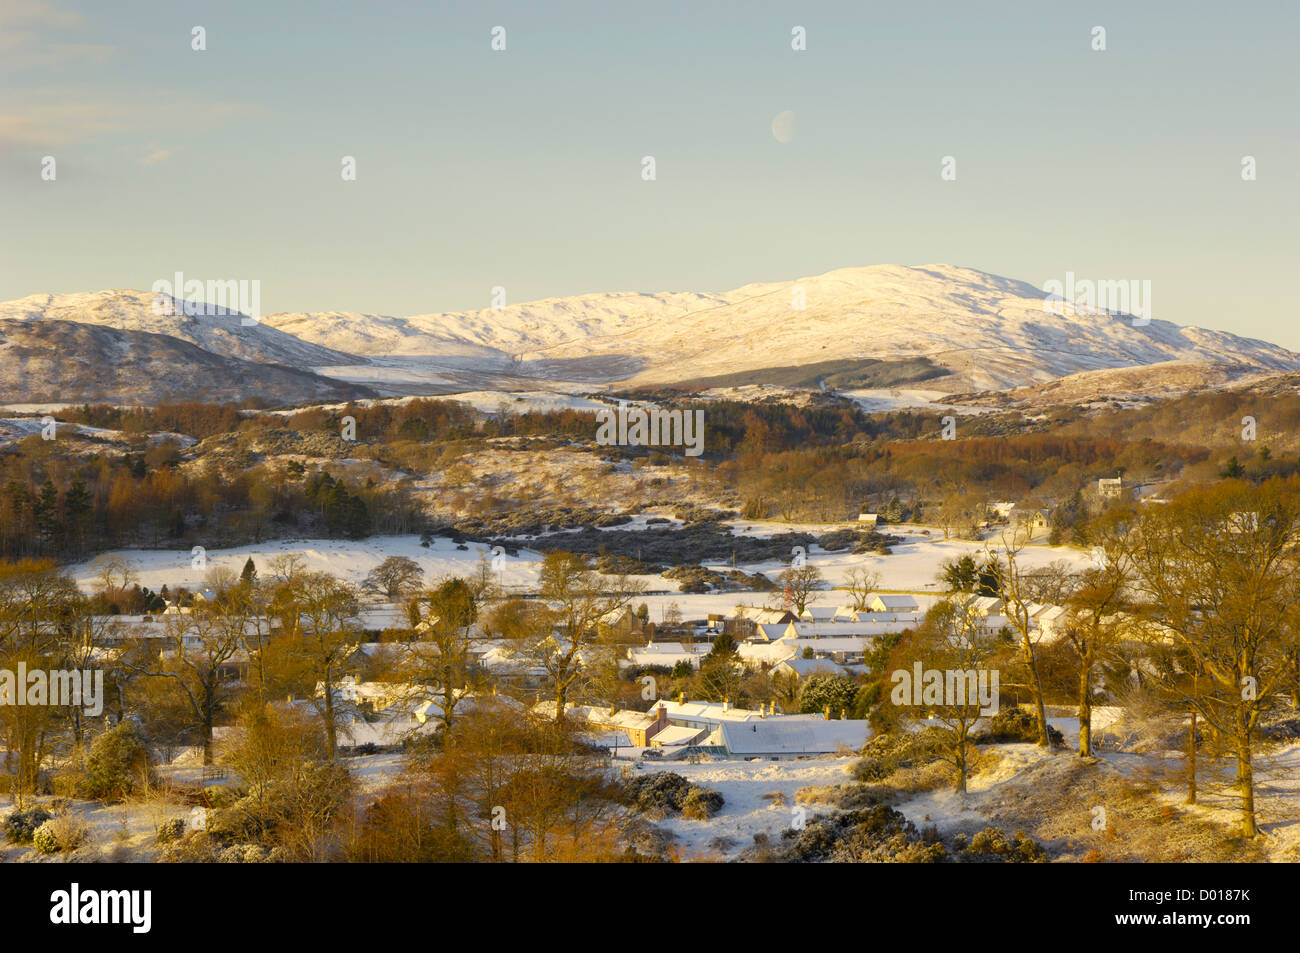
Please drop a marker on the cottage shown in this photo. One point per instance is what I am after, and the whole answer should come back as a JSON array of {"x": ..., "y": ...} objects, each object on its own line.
[
  {"x": 801, "y": 668},
  {"x": 770, "y": 632},
  {"x": 667, "y": 653},
  {"x": 791, "y": 737},
  {"x": 893, "y": 604},
  {"x": 845, "y": 650},
  {"x": 818, "y": 614},
  {"x": 761, "y": 615},
  {"x": 620, "y": 623},
  {"x": 615, "y": 728},
  {"x": 744, "y": 621},
  {"x": 1051, "y": 623}
]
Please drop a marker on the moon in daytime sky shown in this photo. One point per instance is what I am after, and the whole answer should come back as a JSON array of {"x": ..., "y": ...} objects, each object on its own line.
[{"x": 783, "y": 126}]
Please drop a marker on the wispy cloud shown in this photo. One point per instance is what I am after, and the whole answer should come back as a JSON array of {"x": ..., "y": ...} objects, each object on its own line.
[
  {"x": 153, "y": 158},
  {"x": 72, "y": 115},
  {"x": 33, "y": 35},
  {"x": 39, "y": 13}
]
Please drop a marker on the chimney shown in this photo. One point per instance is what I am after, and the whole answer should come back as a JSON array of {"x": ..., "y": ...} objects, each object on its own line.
[
  {"x": 726, "y": 704},
  {"x": 681, "y": 698},
  {"x": 826, "y": 712}
]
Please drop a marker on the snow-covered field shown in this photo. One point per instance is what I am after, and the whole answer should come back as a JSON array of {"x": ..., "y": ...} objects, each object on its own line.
[
  {"x": 345, "y": 559},
  {"x": 912, "y": 567},
  {"x": 879, "y": 400},
  {"x": 484, "y": 401}
]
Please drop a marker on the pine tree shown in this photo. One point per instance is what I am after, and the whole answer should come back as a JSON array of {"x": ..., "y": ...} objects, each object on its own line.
[
  {"x": 48, "y": 524},
  {"x": 76, "y": 509}
]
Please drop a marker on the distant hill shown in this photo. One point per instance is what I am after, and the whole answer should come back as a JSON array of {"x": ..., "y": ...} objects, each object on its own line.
[{"x": 61, "y": 361}]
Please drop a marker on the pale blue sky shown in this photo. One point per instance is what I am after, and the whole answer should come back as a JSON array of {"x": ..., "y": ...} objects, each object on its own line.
[{"x": 522, "y": 168}]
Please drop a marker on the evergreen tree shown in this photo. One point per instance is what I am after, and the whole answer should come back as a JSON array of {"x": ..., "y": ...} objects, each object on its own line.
[
  {"x": 76, "y": 510},
  {"x": 48, "y": 524}
]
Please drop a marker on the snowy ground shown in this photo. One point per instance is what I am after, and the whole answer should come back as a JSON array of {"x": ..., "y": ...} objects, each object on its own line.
[
  {"x": 877, "y": 400},
  {"x": 346, "y": 559},
  {"x": 484, "y": 401},
  {"x": 912, "y": 567},
  {"x": 745, "y": 811},
  {"x": 116, "y": 831}
]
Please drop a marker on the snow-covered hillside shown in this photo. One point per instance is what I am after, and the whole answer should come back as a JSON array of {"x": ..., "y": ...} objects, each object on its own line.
[
  {"x": 988, "y": 332},
  {"x": 992, "y": 332},
  {"x": 221, "y": 333}
]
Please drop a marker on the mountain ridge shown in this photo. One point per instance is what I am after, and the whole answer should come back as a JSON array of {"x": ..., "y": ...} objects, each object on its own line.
[{"x": 988, "y": 332}]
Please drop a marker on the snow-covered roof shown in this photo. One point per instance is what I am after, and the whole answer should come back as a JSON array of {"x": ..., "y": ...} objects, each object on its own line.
[
  {"x": 675, "y": 735},
  {"x": 769, "y": 631},
  {"x": 755, "y": 652},
  {"x": 894, "y": 603},
  {"x": 830, "y": 644},
  {"x": 1050, "y": 615},
  {"x": 791, "y": 736},
  {"x": 761, "y": 614},
  {"x": 821, "y": 630},
  {"x": 818, "y": 613},
  {"x": 804, "y": 667},
  {"x": 707, "y": 711}
]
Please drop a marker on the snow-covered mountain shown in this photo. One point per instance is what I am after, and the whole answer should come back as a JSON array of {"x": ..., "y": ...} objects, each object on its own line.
[
  {"x": 990, "y": 332},
  {"x": 53, "y": 361},
  {"x": 983, "y": 332},
  {"x": 221, "y": 333}
]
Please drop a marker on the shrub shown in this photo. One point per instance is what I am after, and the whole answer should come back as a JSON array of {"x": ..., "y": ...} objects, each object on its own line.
[
  {"x": 875, "y": 834},
  {"x": 701, "y": 803},
  {"x": 992, "y": 845},
  {"x": 21, "y": 825},
  {"x": 45, "y": 840},
  {"x": 1016, "y": 724},
  {"x": 172, "y": 830},
  {"x": 664, "y": 792},
  {"x": 118, "y": 764},
  {"x": 244, "y": 854},
  {"x": 59, "y": 833},
  {"x": 822, "y": 691},
  {"x": 886, "y": 753},
  {"x": 194, "y": 848}
]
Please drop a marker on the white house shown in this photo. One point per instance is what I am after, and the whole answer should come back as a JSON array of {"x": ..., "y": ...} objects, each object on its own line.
[
  {"x": 1051, "y": 624},
  {"x": 667, "y": 653},
  {"x": 893, "y": 604},
  {"x": 801, "y": 668},
  {"x": 818, "y": 614},
  {"x": 792, "y": 737},
  {"x": 770, "y": 631}
]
